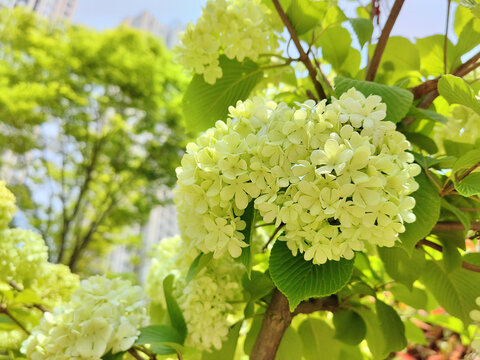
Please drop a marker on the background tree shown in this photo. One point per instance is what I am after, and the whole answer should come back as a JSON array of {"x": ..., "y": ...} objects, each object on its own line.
[{"x": 93, "y": 120}]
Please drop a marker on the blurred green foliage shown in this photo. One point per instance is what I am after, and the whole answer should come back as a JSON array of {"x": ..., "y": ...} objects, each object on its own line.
[{"x": 91, "y": 126}]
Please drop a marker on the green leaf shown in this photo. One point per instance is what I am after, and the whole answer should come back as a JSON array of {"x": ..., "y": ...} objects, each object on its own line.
[
  {"x": 198, "y": 264},
  {"x": 422, "y": 141},
  {"x": 110, "y": 356},
  {"x": 426, "y": 210},
  {"x": 428, "y": 161},
  {"x": 398, "y": 100},
  {"x": 290, "y": 346},
  {"x": 204, "y": 104},
  {"x": 28, "y": 296},
  {"x": 462, "y": 16},
  {"x": 252, "y": 334},
  {"x": 351, "y": 65},
  {"x": 402, "y": 266},
  {"x": 414, "y": 333},
  {"x": 469, "y": 186},
  {"x": 334, "y": 16},
  {"x": 175, "y": 314},
  {"x": 246, "y": 256},
  {"x": 430, "y": 49},
  {"x": 318, "y": 340},
  {"x": 426, "y": 114},
  {"x": 258, "y": 286},
  {"x": 304, "y": 15},
  {"x": 456, "y": 91},
  {"x": 363, "y": 28},
  {"x": 466, "y": 161},
  {"x": 158, "y": 336},
  {"x": 335, "y": 43},
  {"x": 452, "y": 259},
  {"x": 455, "y": 290},
  {"x": 392, "y": 327},
  {"x": 464, "y": 219},
  {"x": 457, "y": 148},
  {"x": 399, "y": 60},
  {"x": 349, "y": 327},
  {"x": 468, "y": 38},
  {"x": 299, "y": 279},
  {"x": 375, "y": 337},
  {"x": 414, "y": 297},
  {"x": 227, "y": 351}
]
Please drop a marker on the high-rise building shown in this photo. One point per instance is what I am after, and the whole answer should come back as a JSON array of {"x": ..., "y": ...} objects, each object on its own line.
[
  {"x": 147, "y": 22},
  {"x": 51, "y": 9}
]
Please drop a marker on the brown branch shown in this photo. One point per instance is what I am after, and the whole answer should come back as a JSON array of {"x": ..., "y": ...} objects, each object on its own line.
[
  {"x": 431, "y": 85},
  {"x": 448, "y": 189},
  {"x": 4, "y": 310},
  {"x": 455, "y": 226},
  {"x": 303, "y": 56},
  {"x": 277, "y": 230},
  {"x": 135, "y": 354},
  {"x": 17, "y": 287},
  {"x": 276, "y": 320},
  {"x": 88, "y": 236},
  {"x": 329, "y": 303},
  {"x": 83, "y": 189},
  {"x": 382, "y": 41},
  {"x": 437, "y": 247}
]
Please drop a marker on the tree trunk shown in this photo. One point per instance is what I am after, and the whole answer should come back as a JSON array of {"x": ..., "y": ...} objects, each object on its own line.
[{"x": 277, "y": 319}]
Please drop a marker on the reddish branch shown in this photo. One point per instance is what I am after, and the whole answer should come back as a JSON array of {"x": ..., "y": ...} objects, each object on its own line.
[
  {"x": 382, "y": 41},
  {"x": 455, "y": 226},
  {"x": 278, "y": 318},
  {"x": 303, "y": 56},
  {"x": 431, "y": 85},
  {"x": 437, "y": 247}
]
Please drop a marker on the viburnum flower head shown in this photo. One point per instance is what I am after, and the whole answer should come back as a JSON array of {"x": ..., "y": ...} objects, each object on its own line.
[
  {"x": 236, "y": 28},
  {"x": 7, "y": 205},
  {"x": 205, "y": 299},
  {"x": 336, "y": 175},
  {"x": 103, "y": 315},
  {"x": 22, "y": 255}
]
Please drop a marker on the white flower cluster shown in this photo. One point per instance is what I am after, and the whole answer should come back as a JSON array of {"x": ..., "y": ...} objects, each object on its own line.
[
  {"x": 336, "y": 175},
  {"x": 238, "y": 28},
  {"x": 475, "y": 315},
  {"x": 7, "y": 205},
  {"x": 204, "y": 300},
  {"x": 103, "y": 315},
  {"x": 22, "y": 255}
]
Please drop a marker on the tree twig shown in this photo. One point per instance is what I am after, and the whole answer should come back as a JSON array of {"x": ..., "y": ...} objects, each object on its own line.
[
  {"x": 437, "y": 247},
  {"x": 431, "y": 85},
  {"x": 17, "y": 287},
  {"x": 4, "y": 310},
  {"x": 135, "y": 354},
  {"x": 382, "y": 41},
  {"x": 455, "y": 226},
  {"x": 445, "y": 39},
  {"x": 448, "y": 189},
  {"x": 280, "y": 227},
  {"x": 303, "y": 56}
]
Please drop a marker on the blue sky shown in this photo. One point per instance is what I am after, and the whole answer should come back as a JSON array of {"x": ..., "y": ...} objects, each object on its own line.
[{"x": 418, "y": 18}]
